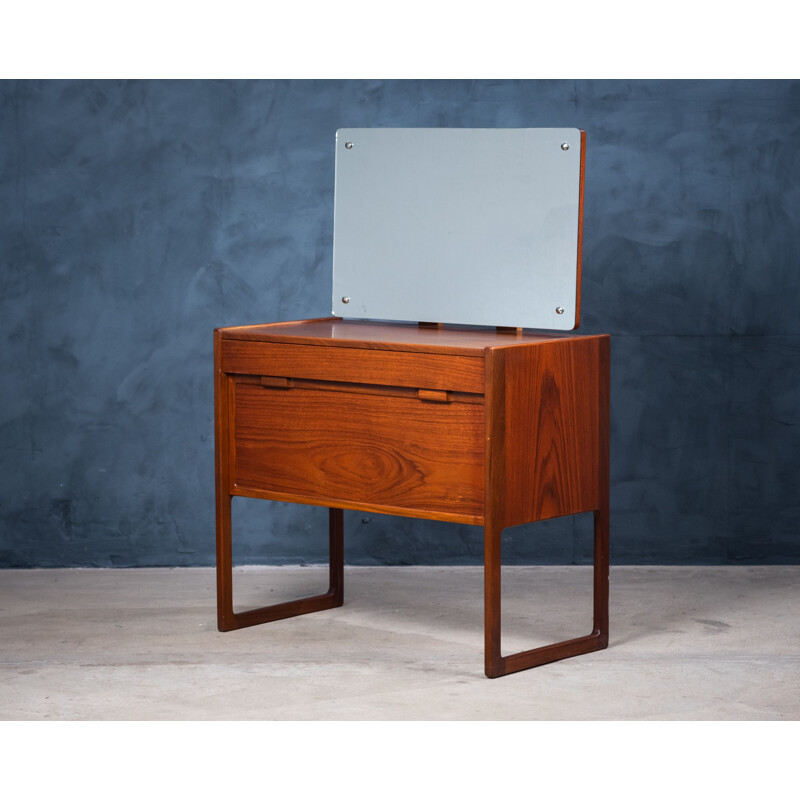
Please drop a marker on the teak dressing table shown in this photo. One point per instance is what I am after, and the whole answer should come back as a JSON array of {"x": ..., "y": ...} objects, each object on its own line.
[{"x": 489, "y": 426}]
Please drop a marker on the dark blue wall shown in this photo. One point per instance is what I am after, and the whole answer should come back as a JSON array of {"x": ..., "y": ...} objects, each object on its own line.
[{"x": 137, "y": 216}]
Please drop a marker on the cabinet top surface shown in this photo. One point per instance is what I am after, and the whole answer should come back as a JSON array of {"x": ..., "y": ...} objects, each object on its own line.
[{"x": 337, "y": 332}]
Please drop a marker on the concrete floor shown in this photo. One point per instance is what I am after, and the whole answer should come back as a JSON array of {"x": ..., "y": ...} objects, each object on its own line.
[{"x": 687, "y": 643}]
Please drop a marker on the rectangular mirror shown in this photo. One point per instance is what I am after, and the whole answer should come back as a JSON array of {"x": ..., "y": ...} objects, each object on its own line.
[{"x": 459, "y": 225}]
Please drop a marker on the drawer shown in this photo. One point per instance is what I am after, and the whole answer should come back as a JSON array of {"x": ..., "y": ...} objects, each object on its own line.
[
  {"x": 388, "y": 452},
  {"x": 354, "y": 365}
]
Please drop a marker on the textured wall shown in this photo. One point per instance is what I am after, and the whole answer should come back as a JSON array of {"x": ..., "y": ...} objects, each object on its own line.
[{"x": 137, "y": 216}]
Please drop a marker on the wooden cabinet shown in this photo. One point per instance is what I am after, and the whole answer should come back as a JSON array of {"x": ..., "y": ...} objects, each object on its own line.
[{"x": 480, "y": 426}]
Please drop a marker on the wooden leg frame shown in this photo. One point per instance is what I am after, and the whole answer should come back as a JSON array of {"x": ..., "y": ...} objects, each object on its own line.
[
  {"x": 227, "y": 620},
  {"x": 496, "y": 664}
]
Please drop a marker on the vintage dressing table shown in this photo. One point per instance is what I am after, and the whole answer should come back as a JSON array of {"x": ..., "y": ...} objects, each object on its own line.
[{"x": 471, "y": 418}]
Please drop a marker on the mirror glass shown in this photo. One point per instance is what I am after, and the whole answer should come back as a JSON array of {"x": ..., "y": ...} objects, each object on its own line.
[{"x": 458, "y": 225}]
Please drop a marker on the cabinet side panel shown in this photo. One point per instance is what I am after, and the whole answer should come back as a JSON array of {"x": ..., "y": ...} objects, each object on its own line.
[
  {"x": 553, "y": 401},
  {"x": 222, "y": 421},
  {"x": 222, "y": 457}
]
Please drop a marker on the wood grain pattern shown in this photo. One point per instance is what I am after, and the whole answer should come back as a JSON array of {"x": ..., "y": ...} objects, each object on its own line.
[
  {"x": 434, "y": 395},
  {"x": 417, "y": 370},
  {"x": 495, "y": 507},
  {"x": 222, "y": 442},
  {"x": 547, "y": 432},
  {"x": 335, "y": 333},
  {"x": 552, "y": 429},
  {"x": 358, "y": 449},
  {"x": 601, "y": 514},
  {"x": 227, "y": 619}
]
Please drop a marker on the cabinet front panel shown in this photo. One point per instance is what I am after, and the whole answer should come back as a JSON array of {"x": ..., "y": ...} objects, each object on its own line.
[
  {"x": 367, "y": 451},
  {"x": 357, "y": 365}
]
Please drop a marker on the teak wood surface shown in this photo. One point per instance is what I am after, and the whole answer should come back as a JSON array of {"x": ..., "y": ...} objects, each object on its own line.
[{"x": 480, "y": 426}]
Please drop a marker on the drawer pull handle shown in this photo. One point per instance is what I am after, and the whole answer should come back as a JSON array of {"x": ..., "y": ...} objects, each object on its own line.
[
  {"x": 433, "y": 395},
  {"x": 276, "y": 383}
]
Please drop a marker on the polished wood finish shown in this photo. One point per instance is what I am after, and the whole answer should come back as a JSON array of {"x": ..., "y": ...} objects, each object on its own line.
[
  {"x": 479, "y": 426},
  {"x": 360, "y": 365},
  {"x": 547, "y": 425},
  {"x": 550, "y": 436},
  {"x": 399, "y": 337},
  {"x": 397, "y": 452},
  {"x": 227, "y": 619}
]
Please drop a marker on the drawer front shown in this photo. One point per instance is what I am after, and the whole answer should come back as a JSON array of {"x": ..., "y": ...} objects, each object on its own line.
[
  {"x": 354, "y": 365},
  {"x": 366, "y": 451}
]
